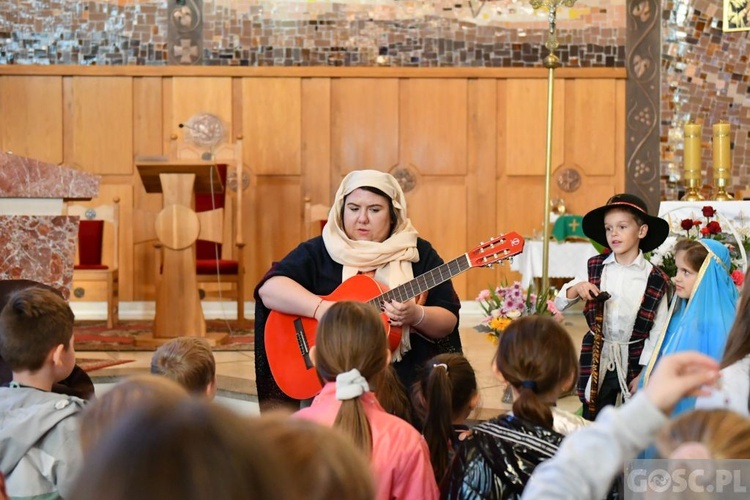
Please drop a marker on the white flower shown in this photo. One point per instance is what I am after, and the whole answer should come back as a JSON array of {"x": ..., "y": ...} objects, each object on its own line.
[{"x": 515, "y": 313}]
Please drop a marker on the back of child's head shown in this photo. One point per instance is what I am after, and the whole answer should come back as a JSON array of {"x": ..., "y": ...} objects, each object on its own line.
[
  {"x": 33, "y": 322},
  {"x": 351, "y": 336},
  {"x": 738, "y": 342},
  {"x": 325, "y": 462},
  {"x": 188, "y": 450},
  {"x": 100, "y": 416},
  {"x": 693, "y": 253},
  {"x": 708, "y": 434},
  {"x": 445, "y": 391},
  {"x": 537, "y": 357},
  {"x": 188, "y": 361}
]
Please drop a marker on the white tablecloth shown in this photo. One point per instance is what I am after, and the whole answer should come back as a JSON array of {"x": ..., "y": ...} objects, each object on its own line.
[{"x": 566, "y": 260}]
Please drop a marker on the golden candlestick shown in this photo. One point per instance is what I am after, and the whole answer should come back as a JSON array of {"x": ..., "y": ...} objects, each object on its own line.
[
  {"x": 550, "y": 62},
  {"x": 692, "y": 162},
  {"x": 722, "y": 161}
]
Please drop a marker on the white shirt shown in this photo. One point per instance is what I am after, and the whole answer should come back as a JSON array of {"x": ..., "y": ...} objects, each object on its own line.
[
  {"x": 626, "y": 285},
  {"x": 734, "y": 391}
]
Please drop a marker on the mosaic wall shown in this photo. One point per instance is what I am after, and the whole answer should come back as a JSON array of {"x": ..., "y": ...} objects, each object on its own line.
[
  {"x": 426, "y": 33},
  {"x": 705, "y": 76}
]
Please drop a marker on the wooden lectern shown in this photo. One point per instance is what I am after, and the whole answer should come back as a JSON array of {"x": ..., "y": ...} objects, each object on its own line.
[{"x": 177, "y": 227}]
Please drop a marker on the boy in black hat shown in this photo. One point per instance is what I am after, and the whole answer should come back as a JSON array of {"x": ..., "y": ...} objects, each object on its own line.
[{"x": 629, "y": 317}]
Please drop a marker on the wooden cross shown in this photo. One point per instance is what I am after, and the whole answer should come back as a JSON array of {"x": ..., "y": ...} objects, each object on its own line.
[{"x": 177, "y": 227}]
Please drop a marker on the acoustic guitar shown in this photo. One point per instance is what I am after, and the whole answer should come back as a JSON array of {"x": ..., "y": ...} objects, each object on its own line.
[{"x": 289, "y": 337}]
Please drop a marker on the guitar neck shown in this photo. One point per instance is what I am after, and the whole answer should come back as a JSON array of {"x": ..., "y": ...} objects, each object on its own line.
[{"x": 422, "y": 283}]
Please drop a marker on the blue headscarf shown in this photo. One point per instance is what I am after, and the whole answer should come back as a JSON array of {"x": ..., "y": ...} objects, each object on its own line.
[{"x": 702, "y": 322}]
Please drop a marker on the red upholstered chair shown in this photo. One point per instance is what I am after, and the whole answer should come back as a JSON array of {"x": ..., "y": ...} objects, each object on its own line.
[
  {"x": 216, "y": 262},
  {"x": 96, "y": 271}
]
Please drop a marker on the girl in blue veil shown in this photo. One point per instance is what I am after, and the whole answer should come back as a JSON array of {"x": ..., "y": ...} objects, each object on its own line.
[{"x": 703, "y": 309}]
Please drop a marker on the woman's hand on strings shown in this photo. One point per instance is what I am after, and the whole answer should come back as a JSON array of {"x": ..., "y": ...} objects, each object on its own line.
[{"x": 401, "y": 313}]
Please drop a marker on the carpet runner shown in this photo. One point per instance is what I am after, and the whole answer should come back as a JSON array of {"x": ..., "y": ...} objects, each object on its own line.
[{"x": 95, "y": 336}]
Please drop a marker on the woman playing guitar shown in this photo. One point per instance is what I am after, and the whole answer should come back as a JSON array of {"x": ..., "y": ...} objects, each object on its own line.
[{"x": 368, "y": 232}]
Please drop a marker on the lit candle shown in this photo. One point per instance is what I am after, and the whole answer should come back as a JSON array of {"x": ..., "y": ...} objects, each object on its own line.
[
  {"x": 692, "y": 155},
  {"x": 721, "y": 151}
]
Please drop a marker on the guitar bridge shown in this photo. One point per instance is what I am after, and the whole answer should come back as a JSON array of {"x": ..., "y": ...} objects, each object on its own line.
[{"x": 304, "y": 348}]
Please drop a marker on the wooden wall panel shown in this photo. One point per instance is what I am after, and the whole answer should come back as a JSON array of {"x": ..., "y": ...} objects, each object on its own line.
[
  {"x": 524, "y": 119},
  {"x": 278, "y": 229},
  {"x": 272, "y": 121},
  {"x": 102, "y": 124},
  {"x": 192, "y": 95},
  {"x": 433, "y": 133},
  {"x": 475, "y": 142},
  {"x": 590, "y": 125},
  {"x": 316, "y": 139},
  {"x": 364, "y": 124},
  {"x": 32, "y": 109},
  {"x": 437, "y": 208},
  {"x": 481, "y": 192}
]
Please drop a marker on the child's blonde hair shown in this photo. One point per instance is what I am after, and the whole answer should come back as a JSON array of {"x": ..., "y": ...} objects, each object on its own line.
[
  {"x": 101, "y": 415},
  {"x": 725, "y": 434},
  {"x": 351, "y": 335},
  {"x": 188, "y": 361}
]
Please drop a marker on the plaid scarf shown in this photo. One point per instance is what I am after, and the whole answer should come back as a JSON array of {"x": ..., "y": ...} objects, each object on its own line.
[{"x": 656, "y": 287}]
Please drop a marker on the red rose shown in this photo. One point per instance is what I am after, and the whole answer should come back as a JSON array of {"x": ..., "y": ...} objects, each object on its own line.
[
  {"x": 704, "y": 231},
  {"x": 713, "y": 227},
  {"x": 687, "y": 224},
  {"x": 708, "y": 211},
  {"x": 738, "y": 277},
  {"x": 697, "y": 223}
]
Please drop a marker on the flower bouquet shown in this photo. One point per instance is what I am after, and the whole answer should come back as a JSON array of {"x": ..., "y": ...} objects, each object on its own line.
[
  {"x": 713, "y": 226},
  {"x": 507, "y": 303}
]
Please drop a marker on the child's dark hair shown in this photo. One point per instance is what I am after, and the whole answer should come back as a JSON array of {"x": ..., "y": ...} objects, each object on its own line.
[
  {"x": 738, "y": 342},
  {"x": 695, "y": 253},
  {"x": 33, "y": 322},
  {"x": 445, "y": 390},
  {"x": 535, "y": 355},
  {"x": 351, "y": 335},
  {"x": 637, "y": 214}
]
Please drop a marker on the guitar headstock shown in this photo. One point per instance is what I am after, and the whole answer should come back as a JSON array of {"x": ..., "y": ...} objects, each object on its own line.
[{"x": 500, "y": 248}]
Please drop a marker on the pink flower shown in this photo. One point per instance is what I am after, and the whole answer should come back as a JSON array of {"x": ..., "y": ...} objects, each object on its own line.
[
  {"x": 738, "y": 277},
  {"x": 483, "y": 295}
]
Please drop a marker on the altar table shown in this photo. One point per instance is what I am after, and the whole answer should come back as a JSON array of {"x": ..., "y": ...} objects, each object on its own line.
[{"x": 566, "y": 260}]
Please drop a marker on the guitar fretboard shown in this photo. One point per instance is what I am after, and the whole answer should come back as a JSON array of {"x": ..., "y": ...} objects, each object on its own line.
[{"x": 422, "y": 283}]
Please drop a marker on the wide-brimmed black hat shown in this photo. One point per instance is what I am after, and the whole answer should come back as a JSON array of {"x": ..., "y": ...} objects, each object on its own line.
[{"x": 658, "y": 228}]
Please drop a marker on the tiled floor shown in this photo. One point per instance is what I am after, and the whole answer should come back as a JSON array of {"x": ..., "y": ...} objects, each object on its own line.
[{"x": 235, "y": 370}]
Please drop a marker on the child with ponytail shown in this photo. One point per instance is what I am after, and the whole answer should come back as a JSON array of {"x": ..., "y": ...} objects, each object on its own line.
[
  {"x": 444, "y": 396},
  {"x": 351, "y": 355},
  {"x": 537, "y": 358}
]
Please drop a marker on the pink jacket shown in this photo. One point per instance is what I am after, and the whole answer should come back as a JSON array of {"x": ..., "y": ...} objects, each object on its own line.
[{"x": 400, "y": 458}]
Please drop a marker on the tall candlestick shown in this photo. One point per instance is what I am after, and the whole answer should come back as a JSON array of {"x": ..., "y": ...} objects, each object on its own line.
[
  {"x": 692, "y": 162},
  {"x": 722, "y": 160}
]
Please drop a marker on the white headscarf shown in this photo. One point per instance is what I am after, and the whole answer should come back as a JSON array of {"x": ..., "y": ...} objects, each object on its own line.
[{"x": 391, "y": 259}]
